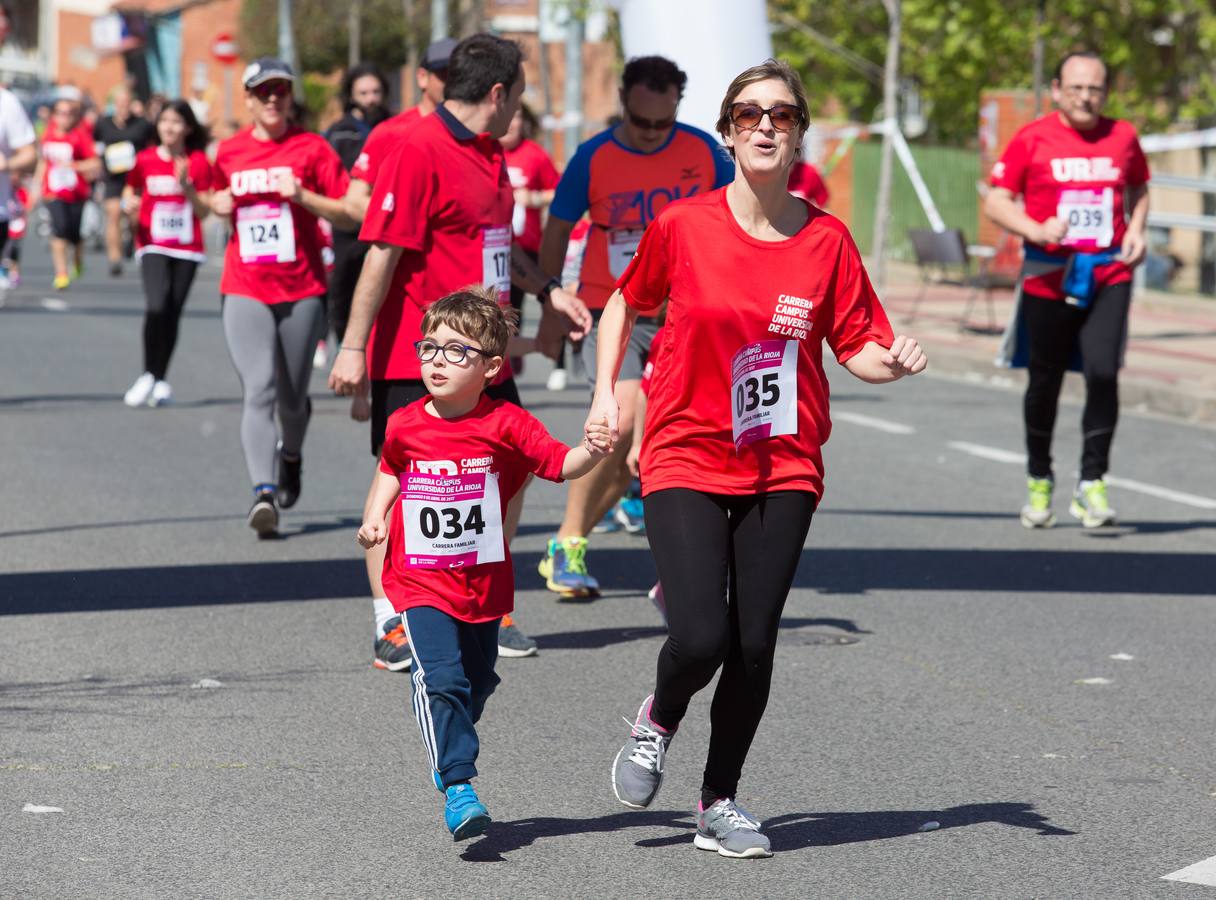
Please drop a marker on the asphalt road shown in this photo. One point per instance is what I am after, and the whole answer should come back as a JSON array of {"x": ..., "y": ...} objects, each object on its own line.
[{"x": 935, "y": 665}]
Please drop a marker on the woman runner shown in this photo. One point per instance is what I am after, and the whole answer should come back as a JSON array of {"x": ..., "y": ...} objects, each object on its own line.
[
  {"x": 274, "y": 180},
  {"x": 168, "y": 192},
  {"x": 756, "y": 280}
]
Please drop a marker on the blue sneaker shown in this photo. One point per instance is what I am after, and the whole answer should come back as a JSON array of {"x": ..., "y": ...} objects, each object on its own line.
[
  {"x": 608, "y": 524},
  {"x": 564, "y": 567},
  {"x": 464, "y": 814},
  {"x": 628, "y": 513}
]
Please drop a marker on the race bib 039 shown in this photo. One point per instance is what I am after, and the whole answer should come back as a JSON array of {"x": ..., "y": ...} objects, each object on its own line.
[{"x": 1089, "y": 215}]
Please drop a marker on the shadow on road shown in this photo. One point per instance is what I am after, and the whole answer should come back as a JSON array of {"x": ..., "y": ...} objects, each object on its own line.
[
  {"x": 795, "y": 831},
  {"x": 597, "y": 638}
]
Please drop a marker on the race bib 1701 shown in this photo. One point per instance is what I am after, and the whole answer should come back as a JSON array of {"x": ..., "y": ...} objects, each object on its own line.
[
  {"x": 266, "y": 233},
  {"x": 451, "y": 520},
  {"x": 496, "y": 259},
  {"x": 764, "y": 391},
  {"x": 1089, "y": 215}
]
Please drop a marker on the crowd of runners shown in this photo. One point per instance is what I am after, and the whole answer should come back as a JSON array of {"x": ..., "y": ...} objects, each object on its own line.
[{"x": 692, "y": 277}]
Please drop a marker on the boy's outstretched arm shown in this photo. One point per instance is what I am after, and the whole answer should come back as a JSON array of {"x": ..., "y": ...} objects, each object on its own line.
[
  {"x": 595, "y": 446},
  {"x": 878, "y": 365},
  {"x": 374, "y": 530}
]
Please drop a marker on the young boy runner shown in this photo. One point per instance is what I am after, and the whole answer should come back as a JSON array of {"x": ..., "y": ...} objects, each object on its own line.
[{"x": 456, "y": 458}]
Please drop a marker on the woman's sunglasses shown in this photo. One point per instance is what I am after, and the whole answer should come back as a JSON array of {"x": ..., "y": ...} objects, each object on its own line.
[
  {"x": 784, "y": 116},
  {"x": 264, "y": 92}
]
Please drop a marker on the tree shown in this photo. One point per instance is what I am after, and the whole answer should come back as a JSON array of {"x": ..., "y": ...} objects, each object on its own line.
[
  {"x": 1159, "y": 52},
  {"x": 321, "y": 33}
]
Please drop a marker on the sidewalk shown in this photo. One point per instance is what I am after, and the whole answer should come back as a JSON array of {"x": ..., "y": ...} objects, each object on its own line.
[{"x": 1170, "y": 368}]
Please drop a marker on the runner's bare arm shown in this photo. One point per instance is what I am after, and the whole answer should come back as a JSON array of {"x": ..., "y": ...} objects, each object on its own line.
[
  {"x": 553, "y": 245},
  {"x": 616, "y": 325},
  {"x": 1134, "y": 244},
  {"x": 23, "y": 159},
  {"x": 349, "y": 374},
  {"x": 358, "y": 195},
  {"x": 1003, "y": 209},
  {"x": 331, "y": 208},
  {"x": 221, "y": 203},
  {"x": 876, "y": 364},
  {"x": 384, "y": 491}
]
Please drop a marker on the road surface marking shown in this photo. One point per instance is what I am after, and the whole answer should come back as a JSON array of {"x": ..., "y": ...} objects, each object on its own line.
[
  {"x": 993, "y": 453},
  {"x": 1139, "y": 487},
  {"x": 1201, "y": 873},
  {"x": 54, "y": 304},
  {"x": 871, "y": 422}
]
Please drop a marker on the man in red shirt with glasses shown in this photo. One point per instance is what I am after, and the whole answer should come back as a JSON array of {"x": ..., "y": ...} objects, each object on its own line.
[
  {"x": 1084, "y": 184},
  {"x": 621, "y": 178}
]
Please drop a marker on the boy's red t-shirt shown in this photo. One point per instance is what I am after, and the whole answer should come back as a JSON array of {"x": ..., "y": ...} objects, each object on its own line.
[
  {"x": 446, "y": 518},
  {"x": 738, "y": 399}
]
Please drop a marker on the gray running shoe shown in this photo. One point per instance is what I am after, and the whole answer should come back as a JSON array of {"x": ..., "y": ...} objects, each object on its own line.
[
  {"x": 512, "y": 642},
  {"x": 637, "y": 771},
  {"x": 728, "y": 829}
]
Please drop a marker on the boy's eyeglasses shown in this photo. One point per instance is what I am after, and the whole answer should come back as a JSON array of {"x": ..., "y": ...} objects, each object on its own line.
[
  {"x": 264, "y": 92},
  {"x": 453, "y": 352},
  {"x": 784, "y": 116}
]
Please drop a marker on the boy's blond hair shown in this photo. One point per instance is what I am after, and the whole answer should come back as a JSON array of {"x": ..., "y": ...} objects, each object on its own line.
[{"x": 474, "y": 313}]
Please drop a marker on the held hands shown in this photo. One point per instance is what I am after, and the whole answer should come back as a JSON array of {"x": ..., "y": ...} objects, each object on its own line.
[
  {"x": 602, "y": 419},
  {"x": 597, "y": 439},
  {"x": 1051, "y": 231},
  {"x": 905, "y": 357},
  {"x": 372, "y": 533}
]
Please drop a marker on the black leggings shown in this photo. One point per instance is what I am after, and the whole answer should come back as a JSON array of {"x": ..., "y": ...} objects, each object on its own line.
[
  {"x": 726, "y": 564},
  {"x": 167, "y": 281},
  {"x": 1054, "y": 328},
  {"x": 349, "y": 252}
]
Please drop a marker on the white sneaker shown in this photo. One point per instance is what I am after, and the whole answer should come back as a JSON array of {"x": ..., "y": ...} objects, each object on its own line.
[
  {"x": 162, "y": 394},
  {"x": 140, "y": 391},
  {"x": 557, "y": 380},
  {"x": 320, "y": 357}
]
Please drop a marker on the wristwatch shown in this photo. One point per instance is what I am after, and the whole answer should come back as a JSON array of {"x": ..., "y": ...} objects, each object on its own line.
[{"x": 543, "y": 293}]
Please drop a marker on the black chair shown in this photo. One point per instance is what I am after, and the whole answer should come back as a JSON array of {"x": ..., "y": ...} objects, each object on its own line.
[{"x": 949, "y": 249}]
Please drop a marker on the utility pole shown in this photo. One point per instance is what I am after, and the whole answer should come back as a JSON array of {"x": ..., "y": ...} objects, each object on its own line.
[
  {"x": 1040, "y": 18},
  {"x": 890, "y": 113},
  {"x": 354, "y": 33},
  {"x": 439, "y": 20},
  {"x": 287, "y": 46},
  {"x": 572, "y": 114}
]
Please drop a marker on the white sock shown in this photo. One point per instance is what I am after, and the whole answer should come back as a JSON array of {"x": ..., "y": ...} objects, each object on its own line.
[{"x": 383, "y": 610}]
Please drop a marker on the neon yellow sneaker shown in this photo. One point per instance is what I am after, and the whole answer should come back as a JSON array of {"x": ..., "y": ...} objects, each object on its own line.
[
  {"x": 1037, "y": 511},
  {"x": 1091, "y": 505},
  {"x": 564, "y": 568},
  {"x": 61, "y": 282},
  {"x": 77, "y": 271}
]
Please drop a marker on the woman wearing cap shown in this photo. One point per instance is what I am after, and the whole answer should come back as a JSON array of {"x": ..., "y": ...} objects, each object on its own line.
[
  {"x": 755, "y": 280},
  {"x": 274, "y": 180}
]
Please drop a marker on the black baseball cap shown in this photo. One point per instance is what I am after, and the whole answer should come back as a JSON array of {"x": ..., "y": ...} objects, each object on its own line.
[
  {"x": 266, "y": 68},
  {"x": 437, "y": 55}
]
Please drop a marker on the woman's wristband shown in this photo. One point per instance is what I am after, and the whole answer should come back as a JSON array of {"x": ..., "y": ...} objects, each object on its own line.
[
  {"x": 543, "y": 294},
  {"x": 353, "y": 349}
]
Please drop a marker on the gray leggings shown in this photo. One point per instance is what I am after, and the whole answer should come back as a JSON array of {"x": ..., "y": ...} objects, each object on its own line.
[{"x": 272, "y": 346}]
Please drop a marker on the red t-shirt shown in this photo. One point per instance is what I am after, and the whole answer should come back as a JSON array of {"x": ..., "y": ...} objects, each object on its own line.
[
  {"x": 1081, "y": 177},
  {"x": 274, "y": 253},
  {"x": 806, "y": 182},
  {"x": 60, "y": 149},
  {"x": 444, "y": 196},
  {"x": 738, "y": 400},
  {"x": 381, "y": 143},
  {"x": 456, "y": 466},
  {"x": 167, "y": 223},
  {"x": 529, "y": 166}
]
